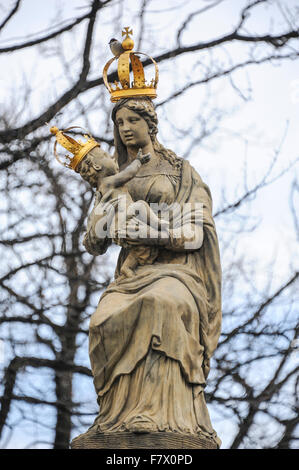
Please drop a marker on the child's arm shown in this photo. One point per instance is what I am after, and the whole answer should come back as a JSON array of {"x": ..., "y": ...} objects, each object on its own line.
[{"x": 129, "y": 172}]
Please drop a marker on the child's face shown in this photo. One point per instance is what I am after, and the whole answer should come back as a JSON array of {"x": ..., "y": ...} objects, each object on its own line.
[
  {"x": 97, "y": 164},
  {"x": 103, "y": 162}
]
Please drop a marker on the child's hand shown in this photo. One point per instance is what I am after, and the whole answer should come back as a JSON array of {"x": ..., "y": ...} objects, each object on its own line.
[{"x": 143, "y": 158}]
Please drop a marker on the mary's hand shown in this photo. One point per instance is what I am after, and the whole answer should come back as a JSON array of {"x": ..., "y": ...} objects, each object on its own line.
[{"x": 136, "y": 232}]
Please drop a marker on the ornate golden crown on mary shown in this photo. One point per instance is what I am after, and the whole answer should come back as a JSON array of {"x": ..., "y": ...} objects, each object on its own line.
[{"x": 128, "y": 61}]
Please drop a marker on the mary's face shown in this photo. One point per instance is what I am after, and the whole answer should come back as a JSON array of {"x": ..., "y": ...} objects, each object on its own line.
[{"x": 133, "y": 129}]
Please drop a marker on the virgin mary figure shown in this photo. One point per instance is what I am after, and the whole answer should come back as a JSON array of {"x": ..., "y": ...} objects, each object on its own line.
[{"x": 153, "y": 334}]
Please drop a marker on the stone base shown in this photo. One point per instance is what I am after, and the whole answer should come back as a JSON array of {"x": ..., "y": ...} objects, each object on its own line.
[{"x": 152, "y": 440}]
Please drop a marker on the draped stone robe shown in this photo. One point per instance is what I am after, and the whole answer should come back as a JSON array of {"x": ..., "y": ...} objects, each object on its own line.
[{"x": 153, "y": 334}]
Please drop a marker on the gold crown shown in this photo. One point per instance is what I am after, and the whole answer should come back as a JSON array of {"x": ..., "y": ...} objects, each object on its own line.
[
  {"x": 139, "y": 87},
  {"x": 78, "y": 148}
]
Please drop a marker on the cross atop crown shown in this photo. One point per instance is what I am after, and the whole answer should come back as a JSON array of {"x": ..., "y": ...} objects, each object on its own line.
[{"x": 128, "y": 31}]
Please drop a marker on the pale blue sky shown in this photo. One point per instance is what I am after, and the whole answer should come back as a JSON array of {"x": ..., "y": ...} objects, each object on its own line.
[{"x": 262, "y": 121}]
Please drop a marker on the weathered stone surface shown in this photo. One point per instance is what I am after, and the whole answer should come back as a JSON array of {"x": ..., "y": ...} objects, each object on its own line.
[
  {"x": 157, "y": 324},
  {"x": 129, "y": 440}
]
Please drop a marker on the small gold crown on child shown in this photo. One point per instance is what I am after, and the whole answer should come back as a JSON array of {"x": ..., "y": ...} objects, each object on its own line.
[{"x": 78, "y": 148}]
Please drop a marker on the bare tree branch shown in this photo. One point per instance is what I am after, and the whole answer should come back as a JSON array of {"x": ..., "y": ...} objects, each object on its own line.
[{"x": 10, "y": 15}]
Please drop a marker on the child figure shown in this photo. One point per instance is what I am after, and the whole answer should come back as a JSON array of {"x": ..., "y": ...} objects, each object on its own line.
[{"x": 112, "y": 183}]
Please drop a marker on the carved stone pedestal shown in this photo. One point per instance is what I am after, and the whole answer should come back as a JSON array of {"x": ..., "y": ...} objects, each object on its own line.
[{"x": 128, "y": 440}]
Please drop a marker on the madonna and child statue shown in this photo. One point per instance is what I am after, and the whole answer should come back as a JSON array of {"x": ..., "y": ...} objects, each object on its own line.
[{"x": 157, "y": 324}]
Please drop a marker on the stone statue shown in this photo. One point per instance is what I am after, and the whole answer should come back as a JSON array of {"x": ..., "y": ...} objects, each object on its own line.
[{"x": 157, "y": 325}]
